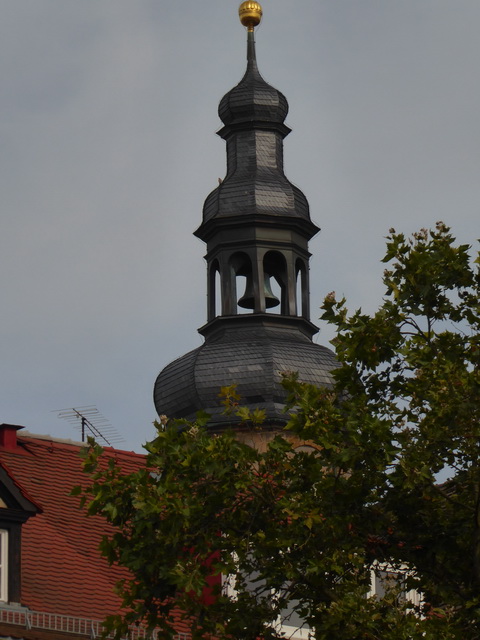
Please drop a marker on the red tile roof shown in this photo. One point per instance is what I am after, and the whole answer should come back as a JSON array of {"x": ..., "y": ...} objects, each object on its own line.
[{"x": 62, "y": 570}]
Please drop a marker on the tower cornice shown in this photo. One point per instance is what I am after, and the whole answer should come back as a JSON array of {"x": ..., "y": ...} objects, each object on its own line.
[
  {"x": 216, "y": 328},
  {"x": 248, "y": 125},
  {"x": 207, "y": 230}
]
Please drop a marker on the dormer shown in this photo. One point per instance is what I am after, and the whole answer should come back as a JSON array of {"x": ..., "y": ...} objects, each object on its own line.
[{"x": 16, "y": 507}]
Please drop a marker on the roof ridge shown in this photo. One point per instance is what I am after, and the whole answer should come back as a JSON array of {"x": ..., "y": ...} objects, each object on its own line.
[
  {"x": 67, "y": 443},
  {"x": 49, "y": 438}
]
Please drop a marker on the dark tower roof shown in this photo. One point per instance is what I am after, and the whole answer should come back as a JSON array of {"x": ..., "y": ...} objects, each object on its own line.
[
  {"x": 253, "y": 113},
  {"x": 254, "y": 358},
  {"x": 253, "y": 99},
  {"x": 256, "y": 225}
]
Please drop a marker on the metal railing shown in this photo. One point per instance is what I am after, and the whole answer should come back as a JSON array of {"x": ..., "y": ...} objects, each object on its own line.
[{"x": 23, "y": 617}]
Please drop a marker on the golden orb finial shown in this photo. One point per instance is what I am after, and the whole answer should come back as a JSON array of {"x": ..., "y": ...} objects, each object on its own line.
[{"x": 250, "y": 14}]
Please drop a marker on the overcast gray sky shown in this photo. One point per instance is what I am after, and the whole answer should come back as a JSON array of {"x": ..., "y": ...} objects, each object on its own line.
[{"x": 108, "y": 150}]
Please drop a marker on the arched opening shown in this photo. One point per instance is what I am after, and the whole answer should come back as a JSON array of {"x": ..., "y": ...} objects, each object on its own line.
[
  {"x": 214, "y": 291},
  {"x": 218, "y": 293},
  {"x": 301, "y": 288},
  {"x": 306, "y": 448}
]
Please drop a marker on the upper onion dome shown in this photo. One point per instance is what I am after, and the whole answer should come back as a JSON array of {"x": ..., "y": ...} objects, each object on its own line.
[{"x": 253, "y": 100}]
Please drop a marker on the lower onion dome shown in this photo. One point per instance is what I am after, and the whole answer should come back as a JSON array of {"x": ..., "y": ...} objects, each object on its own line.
[{"x": 254, "y": 359}]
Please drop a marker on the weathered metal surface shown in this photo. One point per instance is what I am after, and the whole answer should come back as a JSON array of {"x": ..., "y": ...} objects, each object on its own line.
[{"x": 254, "y": 359}]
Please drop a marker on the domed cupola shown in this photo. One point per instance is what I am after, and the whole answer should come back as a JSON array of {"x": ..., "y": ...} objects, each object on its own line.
[
  {"x": 256, "y": 226},
  {"x": 253, "y": 100}
]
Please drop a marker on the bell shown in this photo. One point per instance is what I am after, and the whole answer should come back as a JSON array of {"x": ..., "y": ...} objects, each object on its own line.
[{"x": 247, "y": 301}]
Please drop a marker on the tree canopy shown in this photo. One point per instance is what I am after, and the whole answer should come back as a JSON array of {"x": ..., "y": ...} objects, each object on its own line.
[{"x": 388, "y": 477}]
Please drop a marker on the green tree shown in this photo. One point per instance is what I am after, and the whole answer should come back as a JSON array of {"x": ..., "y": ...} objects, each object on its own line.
[{"x": 303, "y": 529}]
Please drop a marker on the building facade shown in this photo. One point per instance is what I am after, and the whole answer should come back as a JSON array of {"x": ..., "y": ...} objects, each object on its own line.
[{"x": 54, "y": 584}]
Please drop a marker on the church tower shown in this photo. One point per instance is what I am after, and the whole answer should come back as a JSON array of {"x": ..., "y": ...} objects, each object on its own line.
[{"x": 256, "y": 225}]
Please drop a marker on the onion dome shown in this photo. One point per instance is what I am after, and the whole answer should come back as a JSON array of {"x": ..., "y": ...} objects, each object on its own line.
[
  {"x": 253, "y": 100},
  {"x": 254, "y": 359}
]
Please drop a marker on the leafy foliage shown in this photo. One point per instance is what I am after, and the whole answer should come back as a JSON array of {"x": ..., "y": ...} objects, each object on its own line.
[{"x": 302, "y": 528}]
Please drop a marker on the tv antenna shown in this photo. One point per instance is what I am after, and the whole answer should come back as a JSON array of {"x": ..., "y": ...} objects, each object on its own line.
[{"x": 90, "y": 421}]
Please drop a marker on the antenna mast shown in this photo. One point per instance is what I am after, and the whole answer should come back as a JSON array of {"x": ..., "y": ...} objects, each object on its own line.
[{"x": 90, "y": 421}]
